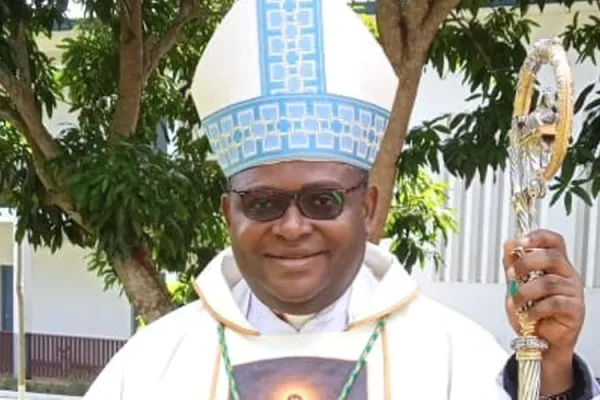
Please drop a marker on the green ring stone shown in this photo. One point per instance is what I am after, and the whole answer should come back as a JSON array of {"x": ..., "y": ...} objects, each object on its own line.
[{"x": 513, "y": 287}]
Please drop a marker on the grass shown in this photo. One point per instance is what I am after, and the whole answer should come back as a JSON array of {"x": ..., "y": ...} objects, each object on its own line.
[{"x": 47, "y": 386}]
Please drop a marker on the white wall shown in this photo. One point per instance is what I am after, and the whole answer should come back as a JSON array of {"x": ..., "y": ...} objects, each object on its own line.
[
  {"x": 484, "y": 303},
  {"x": 62, "y": 296},
  {"x": 6, "y": 256},
  {"x": 473, "y": 279},
  {"x": 6, "y": 243},
  {"x": 68, "y": 299}
]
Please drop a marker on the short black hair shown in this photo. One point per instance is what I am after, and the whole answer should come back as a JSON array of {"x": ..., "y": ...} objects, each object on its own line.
[{"x": 363, "y": 174}]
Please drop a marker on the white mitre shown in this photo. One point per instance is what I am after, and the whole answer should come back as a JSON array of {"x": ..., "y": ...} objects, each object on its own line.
[{"x": 288, "y": 80}]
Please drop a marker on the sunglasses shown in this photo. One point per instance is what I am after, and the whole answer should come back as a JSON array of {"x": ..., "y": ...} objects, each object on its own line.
[{"x": 265, "y": 205}]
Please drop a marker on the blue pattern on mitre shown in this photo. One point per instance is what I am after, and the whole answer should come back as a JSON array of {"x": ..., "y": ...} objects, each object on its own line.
[{"x": 285, "y": 80}]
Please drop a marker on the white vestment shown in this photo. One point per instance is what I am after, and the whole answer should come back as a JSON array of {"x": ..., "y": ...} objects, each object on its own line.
[{"x": 426, "y": 351}]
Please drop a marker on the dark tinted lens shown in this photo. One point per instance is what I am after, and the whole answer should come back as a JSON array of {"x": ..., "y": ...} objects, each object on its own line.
[
  {"x": 322, "y": 203},
  {"x": 264, "y": 205}
]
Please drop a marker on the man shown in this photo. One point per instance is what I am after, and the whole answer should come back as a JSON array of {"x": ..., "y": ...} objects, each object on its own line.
[{"x": 294, "y": 96}]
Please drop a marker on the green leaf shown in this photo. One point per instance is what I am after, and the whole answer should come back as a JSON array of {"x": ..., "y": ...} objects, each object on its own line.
[
  {"x": 568, "y": 168},
  {"x": 559, "y": 190},
  {"x": 583, "y": 96},
  {"x": 596, "y": 186},
  {"x": 592, "y": 105},
  {"x": 568, "y": 202},
  {"x": 581, "y": 193}
]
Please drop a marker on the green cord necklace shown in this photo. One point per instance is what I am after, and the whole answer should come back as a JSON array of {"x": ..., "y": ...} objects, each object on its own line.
[{"x": 235, "y": 394}]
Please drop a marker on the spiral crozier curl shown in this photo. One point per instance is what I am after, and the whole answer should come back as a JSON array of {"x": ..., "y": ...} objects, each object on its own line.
[{"x": 539, "y": 140}]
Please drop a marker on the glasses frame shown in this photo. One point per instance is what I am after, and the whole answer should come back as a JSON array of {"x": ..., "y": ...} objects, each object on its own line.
[{"x": 292, "y": 197}]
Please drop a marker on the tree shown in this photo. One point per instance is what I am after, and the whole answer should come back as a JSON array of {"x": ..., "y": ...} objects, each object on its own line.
[
  {"x": 102, "y": 184},
  {"x": 453, "y": 36}
]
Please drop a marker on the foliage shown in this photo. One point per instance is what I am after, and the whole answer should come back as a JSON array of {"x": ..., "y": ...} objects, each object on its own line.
[
  {"x": 182, "y": 292},
  {"x": 419, "y": 220},
  {"x": 584, "y": 154},
  {"x": 127, "y": 191},
  {"x": 168, "y": 200},
  {"x": 171, "y": 203},
  {"x": 112, "y": 191},
  {"x": 369, "y": 22},
  {"x": 489, "y": 51}
]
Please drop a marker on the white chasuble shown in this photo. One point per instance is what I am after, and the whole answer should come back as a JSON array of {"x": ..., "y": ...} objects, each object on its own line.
[{"x": 424, "y": 351}]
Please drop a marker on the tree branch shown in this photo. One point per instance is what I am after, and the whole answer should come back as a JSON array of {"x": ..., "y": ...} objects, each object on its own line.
[
  {"x": 407, "y": 32},
  {"x": 156, "y": 49},
  {"x": 26, "y": 105},
  {"x": 384, "y": 171},
  {"x": 439, "y": 11},
  {"x": 20, "y": 109},
  {"x": 131, "y": 64},
  {"x": 392, "y": 31},
  {"x": 416, "y": 11},
  {"x": 139, "y": 58},
  {"x": 13, "y": 118},
  {"x": 21, "y": 53},
  {"x": 7, "y": 79},
  {"x": 9, "y": 114},
  {"x": 21, "y": 94},
  {"x": 54, "y": 196},
  {"x": 60, "y": 200},
  {"x": 189, "y": 10}
]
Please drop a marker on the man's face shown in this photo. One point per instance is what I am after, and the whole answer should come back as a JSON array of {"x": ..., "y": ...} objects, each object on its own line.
[{"x": 294, "y": 263}]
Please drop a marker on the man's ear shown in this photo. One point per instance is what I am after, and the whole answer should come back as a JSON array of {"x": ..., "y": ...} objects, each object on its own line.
[
  {"x": 370, "y": 207},
  {"x": 226, "y": 208}
]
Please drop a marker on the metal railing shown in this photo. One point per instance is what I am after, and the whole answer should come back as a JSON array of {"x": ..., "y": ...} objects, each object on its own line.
[
  {"x": 66, "y": 358},
  {"x": 6, "y": 353}
]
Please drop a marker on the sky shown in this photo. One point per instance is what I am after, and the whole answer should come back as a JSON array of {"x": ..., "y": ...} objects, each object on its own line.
[{"x": 75, "y": 10}]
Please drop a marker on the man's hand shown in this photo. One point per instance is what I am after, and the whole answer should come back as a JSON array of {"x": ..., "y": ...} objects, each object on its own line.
[{"x": 558, "y": 308}]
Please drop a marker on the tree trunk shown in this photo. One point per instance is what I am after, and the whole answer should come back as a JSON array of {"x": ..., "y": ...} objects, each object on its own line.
[
  {"x": 131, "y": 70},
  {"x": 383, "y": 174},
  {"x": 143, "y": 285},
  {"x": 406, "y": 31}
]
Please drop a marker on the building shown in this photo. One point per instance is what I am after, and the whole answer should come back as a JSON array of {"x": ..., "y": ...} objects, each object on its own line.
[
  {"x": 73, "y": 326},
  {"x": 67, "y": 308},
  {"x": 473, "y": 278}
]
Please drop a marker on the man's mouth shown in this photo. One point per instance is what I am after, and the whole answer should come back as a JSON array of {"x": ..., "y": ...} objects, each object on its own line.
[
  {"x": 294, "y": 256},
  {"x": 294, "y": 259}
]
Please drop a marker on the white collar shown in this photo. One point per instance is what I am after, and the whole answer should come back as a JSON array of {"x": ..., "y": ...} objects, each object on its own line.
[{"x": 334, "y": 318}]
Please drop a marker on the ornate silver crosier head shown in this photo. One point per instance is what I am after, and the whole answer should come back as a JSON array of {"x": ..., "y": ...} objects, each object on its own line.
[{"x": 539, "y": 139}]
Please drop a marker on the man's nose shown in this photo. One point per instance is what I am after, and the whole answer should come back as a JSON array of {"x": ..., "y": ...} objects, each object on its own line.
[{"x": 292, "y": 225}]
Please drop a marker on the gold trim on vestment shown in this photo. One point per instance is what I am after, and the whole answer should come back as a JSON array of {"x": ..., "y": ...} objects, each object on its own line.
[
  {"x": 215, "y": 374},
  {"x": 387, "y": 390},
  {"x": 374, "y": 318},
  {"x": 370, "y": 319},
  {"x": 218, "y": 317},
  {"x": 388, "y": 311}
]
